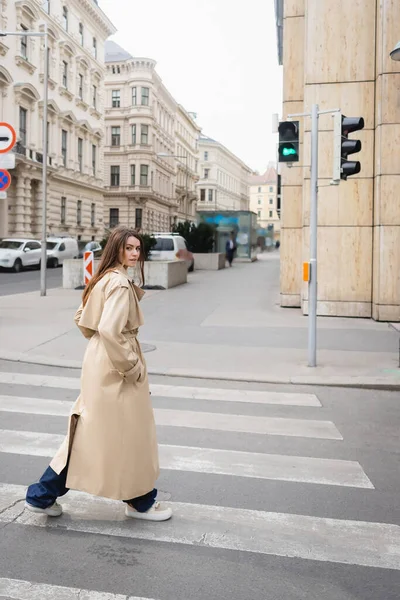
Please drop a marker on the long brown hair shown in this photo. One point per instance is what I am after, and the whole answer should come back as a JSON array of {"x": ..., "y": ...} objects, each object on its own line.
[{"x": 111, "y": 256}]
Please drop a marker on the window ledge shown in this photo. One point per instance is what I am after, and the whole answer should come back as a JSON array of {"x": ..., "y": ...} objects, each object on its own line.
[
  {"x": 64, "y": 92},
  {"x": 95, "y": 113},
  {"x": 3, "y": 49},
  {"x": 81, "y": 104},
  {"x": 52, "y": 83},
  {"x": 25, "y": 64}
]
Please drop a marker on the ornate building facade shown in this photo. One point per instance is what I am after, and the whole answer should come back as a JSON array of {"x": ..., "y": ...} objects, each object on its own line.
[
  {"x": 264, "y": 199},
  {"x": 150, "y": 147},
  {"x": 77, "y": 32}
]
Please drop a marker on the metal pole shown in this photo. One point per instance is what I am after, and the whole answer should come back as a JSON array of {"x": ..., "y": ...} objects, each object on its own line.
[
  {"x": 43, "y": 262},
  {"x": 187, "y": 188},
  {"x": 312, "y": 286}
]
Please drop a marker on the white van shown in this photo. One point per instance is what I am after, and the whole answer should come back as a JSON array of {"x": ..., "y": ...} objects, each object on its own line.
[
  {"x": 60, "y": 249},
  {"x": 171, "y": 246}
]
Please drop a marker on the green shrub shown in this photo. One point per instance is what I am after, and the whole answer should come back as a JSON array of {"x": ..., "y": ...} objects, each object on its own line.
[{"x": 200, "y": 238}]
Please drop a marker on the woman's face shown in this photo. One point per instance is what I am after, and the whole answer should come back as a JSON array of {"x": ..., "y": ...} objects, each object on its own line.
[{"x": 131, "y": 252}]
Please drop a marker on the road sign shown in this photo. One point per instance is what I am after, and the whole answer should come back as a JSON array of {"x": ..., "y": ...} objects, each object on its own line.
[
  {"x": 5, "y": 180},
  {"x": 88, "y": 266},
  {"x": 3, "y": 195},
  {"x": 7, "y": 161},
  {"x": 8, "y": 137}
]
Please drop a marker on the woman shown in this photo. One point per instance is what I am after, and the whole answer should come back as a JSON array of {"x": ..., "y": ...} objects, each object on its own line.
[{"x": 111, "y": 447}]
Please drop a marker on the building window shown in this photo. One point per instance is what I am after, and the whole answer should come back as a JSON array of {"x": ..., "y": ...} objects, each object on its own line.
[
  {"x": 64, "y": 142},
  {"x": 23, "y": 119},
  {"x": 114, "y": 217},
  {"x": 138, "y": 217},
  {"x": 79, "y": 212},
  {"x": 271, "y": 189},
  {"x": 205, "y": 155},
  {"x": 134, "y": 96},
  {"x": 259, "y": 190},
  {"x": 46, "y": 6},
  {"x": 116, "y": 98},
  {"x": 259, "y": 214},
  {"x": 65, "y": 18},
  {"x": 48, "y": 137},
  {"x": 133, "y": 174},
  {"x": 202, "y": 195},
  {"x": 80, "y": 154},
  {"x": 270, "y": 214},
  {"x": 24, "y": 43},
  {"x": 115, "y": 136},
  {"x": 80, "y": 91},
  {"x": 94, "y": 98},
  {"x": 94, "y": 158},
  {"x": 93, "y": 215},
  {"x": 144, "y": 174},
  {"x": 271, "y": 200},
  {"x": 65, "y": 74},
  {"x": 144, "y": 134},
  {"x": 63, "y": 209},
  {"x": 210, "y": 195},
  {"x": 145, "y": 96},
  {"x": 94, "y": 50},
  {"x": 133, "y": 135},
  {"x": 206, "y": 173},
  {"x": 115, "y": 176},
  {"x": 259, "y": 201},
  {"x": 81, "y": 34}
]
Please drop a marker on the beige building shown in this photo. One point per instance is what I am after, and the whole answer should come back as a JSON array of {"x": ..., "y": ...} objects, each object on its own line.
[
  {"x": 263, "y": 199},
  {"x": 77, "y": 32},
  {"x": 224, "y": 178},
  {"x": 150, "y": 147},
  {"x": 336, "y": 54}
]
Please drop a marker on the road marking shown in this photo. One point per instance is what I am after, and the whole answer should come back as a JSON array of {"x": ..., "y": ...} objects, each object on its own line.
[
  {"x": 278, "y": 467},
  {"x": 279, "y": 534},
  {"x": 174, "y": 391},
  {"x": 307, "y": 428},
  {"x": 29, "y": 590}
]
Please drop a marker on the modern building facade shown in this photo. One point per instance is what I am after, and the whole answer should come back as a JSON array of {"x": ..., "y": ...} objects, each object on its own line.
[
  {"x": 77, "y": 32},
  {"x": 224, "y": 183},
  {"x": 337, "y": 54},
  {"x": 263, "y": 199},
  {"x": 150, "y": 147}
]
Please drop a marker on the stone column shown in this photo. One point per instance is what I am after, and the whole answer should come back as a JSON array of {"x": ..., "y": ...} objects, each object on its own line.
[
  {"x": 28, "y": 207},
  {"x": 386, "y": 260},
  {"x": 293, "y": 96},
  {"x": 19, "y": 206},
  {"x": 340, "y": 73},
  {"x": 38, "y": 208}
]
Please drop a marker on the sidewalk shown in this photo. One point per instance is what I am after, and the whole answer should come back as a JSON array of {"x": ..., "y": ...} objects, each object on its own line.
[{"x": 221, "y": 325}]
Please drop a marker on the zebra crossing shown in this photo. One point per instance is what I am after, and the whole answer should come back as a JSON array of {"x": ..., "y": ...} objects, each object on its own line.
[{"x": 279, "y": 534}]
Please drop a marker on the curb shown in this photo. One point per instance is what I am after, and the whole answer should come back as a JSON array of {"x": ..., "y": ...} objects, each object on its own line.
[{"x": 378, "y": 382}]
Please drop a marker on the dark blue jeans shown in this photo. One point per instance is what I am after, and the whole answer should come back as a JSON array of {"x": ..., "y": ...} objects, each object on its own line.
[{"x": 51, "y": 486}]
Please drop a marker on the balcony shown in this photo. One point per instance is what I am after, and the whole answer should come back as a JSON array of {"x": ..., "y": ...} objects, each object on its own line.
[{"x": 21, "y": 150}]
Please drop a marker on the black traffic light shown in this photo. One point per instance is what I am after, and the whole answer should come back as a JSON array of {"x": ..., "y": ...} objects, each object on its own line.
[
  {"x": 348, "y": 146},
  {"x": 288, "y": 150}
]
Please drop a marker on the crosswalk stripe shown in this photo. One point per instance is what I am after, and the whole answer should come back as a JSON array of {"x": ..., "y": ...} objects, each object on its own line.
[
  {"x": 172, "y": 391},
  {"x": 222, "y": 462},
  {"x": 279, "y": 534},
  {"x": 307, "y": 428},
  {"x": 29, "y": 590}
]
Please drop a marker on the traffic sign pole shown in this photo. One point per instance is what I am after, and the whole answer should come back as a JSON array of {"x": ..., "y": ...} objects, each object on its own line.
[{"x": 43, "y": 262}]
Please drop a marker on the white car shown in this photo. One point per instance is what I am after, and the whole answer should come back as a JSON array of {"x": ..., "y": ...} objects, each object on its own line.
[
  {"x": 18, "y": 253},
  {"x": 59, "y": 249},
  {"x": 171, "y": 246}
]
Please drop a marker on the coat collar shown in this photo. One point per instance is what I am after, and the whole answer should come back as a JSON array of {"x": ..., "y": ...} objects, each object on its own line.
[{"x": 122, "y": 271}]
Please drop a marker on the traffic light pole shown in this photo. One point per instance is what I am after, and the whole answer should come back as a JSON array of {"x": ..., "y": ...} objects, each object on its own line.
[{"x": 312, "y": 279}]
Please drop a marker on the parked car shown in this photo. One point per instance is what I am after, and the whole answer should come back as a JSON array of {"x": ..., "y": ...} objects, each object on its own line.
[
  {"x": 171, "y": 246},
  {"x": 94, "y": 247},
  {"x": 18, "y": 253},
  {"x": 60, "y": 249}
]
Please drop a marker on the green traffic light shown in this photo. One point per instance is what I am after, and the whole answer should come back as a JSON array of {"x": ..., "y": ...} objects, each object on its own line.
[{"x": 288, "y": 151}]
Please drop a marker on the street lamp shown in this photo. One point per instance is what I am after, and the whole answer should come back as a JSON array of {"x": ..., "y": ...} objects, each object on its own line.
[
  {"x": 166, "y": 155},
  {"x": 44, "y": 34},
  {"x": 395, "y": 53}
]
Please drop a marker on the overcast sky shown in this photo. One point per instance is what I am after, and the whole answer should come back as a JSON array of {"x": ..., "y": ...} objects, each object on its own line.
[{"x": 218, "y": 58}]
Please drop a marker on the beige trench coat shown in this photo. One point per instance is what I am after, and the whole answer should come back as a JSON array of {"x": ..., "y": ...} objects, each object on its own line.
[{"x": 111, "y": 442}]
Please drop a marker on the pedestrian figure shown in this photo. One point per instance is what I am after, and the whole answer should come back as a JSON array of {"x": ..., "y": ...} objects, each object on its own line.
[
  {"x": 111, "y": 447},
  {"x": 230, "y": 248}
]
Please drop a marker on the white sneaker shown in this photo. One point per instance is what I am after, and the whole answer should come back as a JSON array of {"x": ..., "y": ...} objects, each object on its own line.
[
  {"x": 156, "y": 513},
  {"x": 55, "y": 510}
]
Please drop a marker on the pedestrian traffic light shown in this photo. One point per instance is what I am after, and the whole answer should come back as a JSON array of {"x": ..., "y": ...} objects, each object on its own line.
[
  {"x": 343, "y": 168},
  {"x": 288, "y": 150}
]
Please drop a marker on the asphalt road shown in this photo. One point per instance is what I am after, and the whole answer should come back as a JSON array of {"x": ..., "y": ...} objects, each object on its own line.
[
  {"x": 27, "y": 281},
  {"x": 275, "y": 496}
]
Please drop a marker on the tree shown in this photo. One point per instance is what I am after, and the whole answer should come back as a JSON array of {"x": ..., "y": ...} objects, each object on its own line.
[{"x": 200, "y": 238}]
